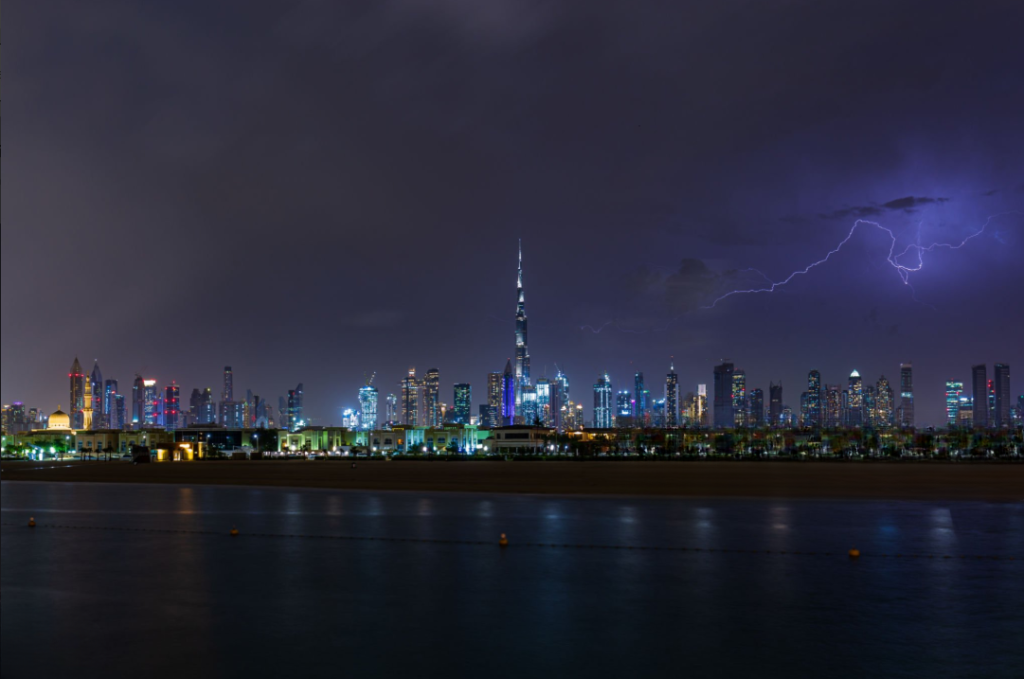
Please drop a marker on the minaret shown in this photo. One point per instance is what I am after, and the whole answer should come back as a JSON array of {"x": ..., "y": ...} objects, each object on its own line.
[
  {"x": 87, "y": 410},
  {"x": 522, "y": 366}
]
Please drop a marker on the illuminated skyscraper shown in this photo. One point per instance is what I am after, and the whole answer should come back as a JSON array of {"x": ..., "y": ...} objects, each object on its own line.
[
  {"x": 723, "y": 396},
  {"x": 391, "y": 411},
  {"x": 508, "y": 396},
  {"x": 545, "y": 413},
  {"x": 815, "y": 407},
  {"x": 603, "y": 402},
  {"x": 1003, "y": 404},
  {"x": 833, "y": 411},
  {"x": 227, "y": 395},
  {"x": 907, "y": 396},
  {"x": 410, "y": 387},
  {"x": 296, "y": 408},
  {"x": 463, "y": 411},
  {"x": 493, "y": 417},
  {"x": 109, "y": 401},
  {"x": 522, "y": 368},
  {"x": 855, "y": 404},
  {"x": 368, "y": 397},
  {"x": 739, "y": 398},
  {"x": 670, "y": 410},
  {"x": 757, "y": 408},
  {"x": 559, "y": 400},
  {"x": 775, "y": 406},
  {"x": 641, "y": 405},
  {"x": 885, "y": 415},
  {"x": 954, "y": 390},
  {"x": 350, "y": 419},
  {"x": 702, "y": 406},
  {"x": 624, "y": 409},
  {"x": 117, "y": 412},
  {"x": 172, "y": 406},
  {"x": 430, "y": 404},
  {"x": 138, "y": 402},
  {"x": 77, "y": 378},
  {"x": 979, "y": 384},
  {"x": 96, "y": 382},
  {"x": 151, "y": 401}
]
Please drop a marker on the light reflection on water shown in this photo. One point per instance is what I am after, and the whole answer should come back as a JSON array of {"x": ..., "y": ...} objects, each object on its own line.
[{"x": 198, "y": 606}]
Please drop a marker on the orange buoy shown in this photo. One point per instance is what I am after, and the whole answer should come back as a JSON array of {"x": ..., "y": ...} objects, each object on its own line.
[
  {"x": 854, "y": 553},
  {"x": 503, "y": 542},
  {"x": 32, "y": 523},
  {"x": 234, "y": 532}
]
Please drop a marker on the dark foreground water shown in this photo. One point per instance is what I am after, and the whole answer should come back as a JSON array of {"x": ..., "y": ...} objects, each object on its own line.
[{"x": 87, "y": 604}]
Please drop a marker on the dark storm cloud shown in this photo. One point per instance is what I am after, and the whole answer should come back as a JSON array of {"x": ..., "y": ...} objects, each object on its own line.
[
  {"x": 326, "y": 188},
  {"x": 909, "y": 204}
]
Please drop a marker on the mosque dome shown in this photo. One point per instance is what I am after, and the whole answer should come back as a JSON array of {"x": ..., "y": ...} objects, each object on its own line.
[{"x": 59, "y": 420}]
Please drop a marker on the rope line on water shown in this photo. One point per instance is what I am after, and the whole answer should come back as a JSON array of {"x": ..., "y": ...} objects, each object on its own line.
[{"x": 533, "y": 545}]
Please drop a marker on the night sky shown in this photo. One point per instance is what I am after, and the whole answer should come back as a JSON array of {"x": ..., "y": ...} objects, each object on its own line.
[{"x": 308, "y": 191}]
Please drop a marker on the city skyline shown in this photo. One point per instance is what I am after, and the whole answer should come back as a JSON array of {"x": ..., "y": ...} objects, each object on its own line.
[{"x": 643, "y": 190}]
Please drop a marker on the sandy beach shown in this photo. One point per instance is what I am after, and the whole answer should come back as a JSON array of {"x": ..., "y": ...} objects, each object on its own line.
[{"x": 878, "y": 481}]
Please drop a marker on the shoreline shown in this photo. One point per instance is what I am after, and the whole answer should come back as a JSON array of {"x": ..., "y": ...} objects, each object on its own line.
[{"x": 994, "y": 483}]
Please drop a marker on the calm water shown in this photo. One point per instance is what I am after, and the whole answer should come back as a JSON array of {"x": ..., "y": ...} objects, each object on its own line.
[{"x": 116, "y": 604}]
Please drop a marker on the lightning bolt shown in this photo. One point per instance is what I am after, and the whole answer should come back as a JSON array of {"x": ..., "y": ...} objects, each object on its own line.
[{"x": 895, "y": 260}]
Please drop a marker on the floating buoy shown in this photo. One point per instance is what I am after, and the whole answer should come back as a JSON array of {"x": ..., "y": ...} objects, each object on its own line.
[
  {"x": 234, "y": 532},
  {"x": 854, "y": 553},
  {"x": 503, "y": 542},
  {"x": 32, "y": 523}
]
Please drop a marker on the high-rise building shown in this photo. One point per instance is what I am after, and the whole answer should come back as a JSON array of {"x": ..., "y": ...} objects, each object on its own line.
[
  {"x": 227, "y": 395},
  {"x": 110, "y": 391},
  {"x": 96, "y": 380},
  {"x": 117, "y": 413},
  {"x": 368, "y": 397},
  {"x": 559, "y": 400},
  {"x": 979, "y": 385},
  {"x": 350, "y": 419},
  {"x": 739, "y": 398},
  {"x": 885, "y": 404},
  {"x": 757, "y": 408},
  {"x": 775, "y": 405},
  {"x": 296, "y": 418},
  {"x": 954, "y": 390},
  {"x": 172, "y": 406},
  {"x": 855, "y": 405},
  {"x": 494, "y": 402},
  {"x": 906, "y": 396},
  {"x": 78, "y": 379},
  {"x": 138, "y": 403},
  {"x": 463, "y": 412},
  {"x": 724, "y": 418},
  {"x": 641, "y": 405},
  {"x": 151, "y": 404},
  {"x": 624, "y": 409},
  {"x": 530, "y": 410},
  {"x": 545, "y": 391},
  {"x": 833, "y": 411},
  {"x": 1003, "y": 405},
  {"x": 603, "y": 402},
  {"x": 391, "y": 411},
  {"x": 430, "y": 410},
  {"x": 701, "y": 414},
  {"x": 815, "y": 408},
  {"x": 194, "y": 404},
  {"x": 966, "y": 420},
  {"x": 508, "y": 396},
  {"x": 522, "y": 368},
  {"x": 670, "y": 409},
  {"x": 410, "y": 395}
]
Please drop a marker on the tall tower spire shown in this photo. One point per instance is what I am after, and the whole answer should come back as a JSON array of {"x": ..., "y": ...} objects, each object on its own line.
[{"x": 522, "y": 363}]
